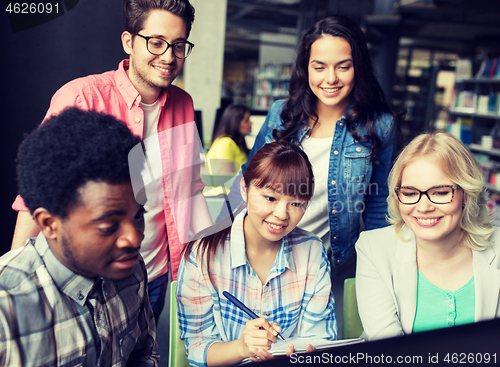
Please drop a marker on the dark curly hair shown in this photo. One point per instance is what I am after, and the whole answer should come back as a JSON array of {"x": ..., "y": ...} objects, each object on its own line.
[
  {"x": 229, "y": 125},
  {"x": 137, "y": 11},
  {"x": 367, "y": 98},
  {"x": 67, "y": 151}
]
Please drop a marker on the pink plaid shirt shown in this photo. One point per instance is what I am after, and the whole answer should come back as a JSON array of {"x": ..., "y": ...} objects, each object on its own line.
[{"x": 113, "y": 93}]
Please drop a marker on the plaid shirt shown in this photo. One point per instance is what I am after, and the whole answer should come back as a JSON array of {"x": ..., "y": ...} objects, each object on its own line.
[
  {"x": 296, "y": 294},
  {"x": 50, "y": 316}
]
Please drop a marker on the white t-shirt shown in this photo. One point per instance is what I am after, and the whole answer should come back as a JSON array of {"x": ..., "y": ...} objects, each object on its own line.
[
  {"x": 154, "y": 246},
  {"x": 315, "y": 218}
]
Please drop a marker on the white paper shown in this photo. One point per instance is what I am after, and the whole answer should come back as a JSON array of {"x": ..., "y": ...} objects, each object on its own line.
[{"x": 299, "y": 344}]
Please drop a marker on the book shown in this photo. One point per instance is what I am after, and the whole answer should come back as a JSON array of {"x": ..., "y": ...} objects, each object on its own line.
[
  {"x": 480, "y": 72},
  {"x": 487, "y": 68},
  {"x": 464, "y": 69},
  {"x": 494, "y": 67},
  {"x": 300, "y": 344}
]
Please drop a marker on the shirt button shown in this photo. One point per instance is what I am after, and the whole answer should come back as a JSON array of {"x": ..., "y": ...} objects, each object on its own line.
[
  {"x": 338, "y": 261},
  {"x": 138, "y": 120},
  {"x": 333, "y": 182},
  {"x": 341, "y": 124},
  {"x": 304, "y": 127},
  {"x": 273, "y": 140},
  {"x": 334, "y": 211},
  {"x": 267, "y": 313},
  {"x": 450, "y": 323},
  {"x": 334, "y": 237},
  {"x": 451, "y": 314},
  {"x": 80, "y": 296},
  {"x": 451, "y": 305},
  {"x": 335, "y": 152},
  {"x": 358, "y": 149}
]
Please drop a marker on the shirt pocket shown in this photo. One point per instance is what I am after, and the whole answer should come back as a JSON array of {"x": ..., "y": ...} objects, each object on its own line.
[{"x": 356, "y": 162}]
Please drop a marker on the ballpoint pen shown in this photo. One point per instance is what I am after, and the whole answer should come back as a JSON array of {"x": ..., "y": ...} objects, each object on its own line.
[{"x": 245, "y": 309}]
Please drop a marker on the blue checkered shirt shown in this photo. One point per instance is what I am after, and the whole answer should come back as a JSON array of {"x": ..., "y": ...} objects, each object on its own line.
[
  {"x": 50, "y": 316},
  {"x": 296, "y": 294}
]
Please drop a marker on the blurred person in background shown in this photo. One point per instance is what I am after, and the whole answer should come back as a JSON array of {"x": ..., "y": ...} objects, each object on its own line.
[{"x": 229, "y": 150}]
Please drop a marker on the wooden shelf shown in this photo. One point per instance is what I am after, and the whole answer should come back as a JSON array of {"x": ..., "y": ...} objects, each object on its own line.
[
  {"x": 457, "y": 111},
  {"x": 478, "y": 80},
  {"x": 480, "y": 149},
  {"x": 491, "y": 188}
]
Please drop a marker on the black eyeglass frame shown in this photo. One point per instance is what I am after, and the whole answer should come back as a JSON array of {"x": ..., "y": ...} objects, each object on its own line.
[
  {"x": 147, "y": 38},
  {"x": 426, "y": 192}
]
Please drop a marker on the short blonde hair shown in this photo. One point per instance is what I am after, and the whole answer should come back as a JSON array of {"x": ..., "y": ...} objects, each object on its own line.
[{"x": 460, "y": 166}]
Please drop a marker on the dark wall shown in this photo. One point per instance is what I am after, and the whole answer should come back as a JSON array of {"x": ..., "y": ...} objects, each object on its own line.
[{"x": 34, "y": 63}]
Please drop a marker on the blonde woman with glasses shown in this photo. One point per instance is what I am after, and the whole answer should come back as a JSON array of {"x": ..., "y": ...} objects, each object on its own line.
[{"x": 438, "y": 265}]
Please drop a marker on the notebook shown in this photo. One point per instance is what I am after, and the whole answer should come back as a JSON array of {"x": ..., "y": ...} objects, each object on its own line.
[
  {"x": 279, "y": 348},
  {"x": 299, "y": 343}
]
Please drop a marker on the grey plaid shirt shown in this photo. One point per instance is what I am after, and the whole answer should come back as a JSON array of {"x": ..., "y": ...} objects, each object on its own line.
[{"x": 50, "y": 316}]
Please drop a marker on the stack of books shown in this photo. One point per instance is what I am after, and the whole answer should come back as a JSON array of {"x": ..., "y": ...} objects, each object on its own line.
[
  {"x": 463, "y": 69},
  {"x": 464, "y": 101},
  {"x": 489, "y": 69}
]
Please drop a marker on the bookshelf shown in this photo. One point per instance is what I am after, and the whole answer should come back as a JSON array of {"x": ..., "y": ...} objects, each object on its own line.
[
  {"x": 423, "y": 84},
  {"x": 475, "y": 103},
  {"x": 271, "y": 84},
  {"x": 474, "y": 117}
]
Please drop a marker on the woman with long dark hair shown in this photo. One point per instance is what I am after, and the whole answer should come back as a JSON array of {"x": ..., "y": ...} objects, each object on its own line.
[
  {"x": 229, "y": 150},
  {"x": 337, "y": 113}
]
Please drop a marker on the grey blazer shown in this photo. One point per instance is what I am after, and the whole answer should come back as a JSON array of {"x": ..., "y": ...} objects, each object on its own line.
[{"x": 386, "y": 282}]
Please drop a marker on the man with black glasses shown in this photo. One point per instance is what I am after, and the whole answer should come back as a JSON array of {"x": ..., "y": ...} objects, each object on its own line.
[{"x": 140, "y": 93}]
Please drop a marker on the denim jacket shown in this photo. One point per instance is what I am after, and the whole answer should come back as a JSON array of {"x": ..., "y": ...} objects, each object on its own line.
[{"x": 355, "y": 185}]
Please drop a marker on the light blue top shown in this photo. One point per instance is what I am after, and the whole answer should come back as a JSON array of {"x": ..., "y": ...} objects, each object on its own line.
[
  {"x": 438, "y": 308},
  {"x": 355, "y": 185}
]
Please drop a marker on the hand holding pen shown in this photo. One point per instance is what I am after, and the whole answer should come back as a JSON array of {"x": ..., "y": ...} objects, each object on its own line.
[
  {"x": 245, "y": 309},
  {"x": 290, "y": 348},
  {"x": 259, "y": 334}
]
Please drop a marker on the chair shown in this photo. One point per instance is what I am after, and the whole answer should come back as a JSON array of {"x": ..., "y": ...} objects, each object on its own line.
[
  {"x": 352, "y": 327},
  {"x": 216, "y": 190},
  {"x": 218, "y": 180},
  {"x": 214, "y": 207},
  {"x": 176, "y": 353}
]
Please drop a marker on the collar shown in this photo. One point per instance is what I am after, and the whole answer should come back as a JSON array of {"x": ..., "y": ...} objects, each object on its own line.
[
  {"x": 406, "y": 251},
  {"x": 284, "y": 258},
  {"x": 304, "y": 127},
  {"x": 484, "y": 257},
  {"x": 127, "y": 89},
  {"x": 75, "y": 286},
  {"x": 237, "y": 241}
]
